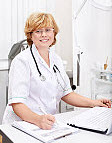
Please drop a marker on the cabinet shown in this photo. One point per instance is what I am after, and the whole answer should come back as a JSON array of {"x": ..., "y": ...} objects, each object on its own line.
[
  {"x": 64, "y": 107},
  {"x": 102, "y": 85},
  {"x": 3, "y": 91}
]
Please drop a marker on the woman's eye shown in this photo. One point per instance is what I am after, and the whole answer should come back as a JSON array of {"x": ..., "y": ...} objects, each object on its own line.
[
  {"x": 47, "y": 30},
  {"x": 38, "y": 31}
]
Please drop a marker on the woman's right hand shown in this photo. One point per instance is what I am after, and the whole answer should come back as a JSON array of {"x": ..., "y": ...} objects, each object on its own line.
[
  {"x": 45, "y": 121},
  {"x": 42, "y": 121}
]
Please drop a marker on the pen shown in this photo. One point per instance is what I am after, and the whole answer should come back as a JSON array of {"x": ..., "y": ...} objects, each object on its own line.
[
  {"x": 42, "y": 111},
  {"x": 46, "y": 114}
]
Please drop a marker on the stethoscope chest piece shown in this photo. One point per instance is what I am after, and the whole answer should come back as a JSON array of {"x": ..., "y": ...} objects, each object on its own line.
[{"x": 42, "y": 78}]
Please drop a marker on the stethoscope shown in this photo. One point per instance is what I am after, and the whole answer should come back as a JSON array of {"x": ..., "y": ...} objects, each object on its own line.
[{"x": 55, "y": 69}]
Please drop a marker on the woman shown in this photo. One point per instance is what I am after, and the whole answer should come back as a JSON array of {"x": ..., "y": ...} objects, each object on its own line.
[{"x": 37, "y": 80}]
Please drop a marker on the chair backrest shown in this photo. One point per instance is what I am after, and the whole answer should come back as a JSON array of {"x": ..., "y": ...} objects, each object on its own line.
[{"x": 16, "y": 49}]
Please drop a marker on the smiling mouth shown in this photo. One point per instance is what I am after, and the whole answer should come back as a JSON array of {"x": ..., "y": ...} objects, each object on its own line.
[{"x": 44, "y": 40}]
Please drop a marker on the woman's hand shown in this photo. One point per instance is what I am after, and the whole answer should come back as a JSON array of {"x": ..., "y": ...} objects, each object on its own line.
[
  {"x": 42, "y": 121},
  {"x": 102, "y": 103},
  {"x": 45, "y": 121}
]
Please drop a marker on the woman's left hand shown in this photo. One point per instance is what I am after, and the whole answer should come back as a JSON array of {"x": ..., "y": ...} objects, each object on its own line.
[{"x": 102, "y": 103}]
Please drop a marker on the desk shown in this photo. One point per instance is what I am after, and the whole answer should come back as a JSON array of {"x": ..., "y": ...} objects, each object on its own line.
[{"x": 80, "y": 137}]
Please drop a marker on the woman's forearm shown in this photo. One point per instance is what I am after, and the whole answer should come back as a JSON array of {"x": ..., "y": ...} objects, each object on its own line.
[
  {"x": 25, "y": 113},
  {"x": 78, "y": 100},
  {"x": 43, "y": 121}
]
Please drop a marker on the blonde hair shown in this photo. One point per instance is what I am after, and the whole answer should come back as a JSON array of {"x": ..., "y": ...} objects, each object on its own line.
[{"x": 39, "y": 20}]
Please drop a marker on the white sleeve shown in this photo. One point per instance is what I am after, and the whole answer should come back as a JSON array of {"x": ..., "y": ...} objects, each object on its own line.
[
  {"x": 19, "y": 81},
  {"x": 68, "y": 86}
]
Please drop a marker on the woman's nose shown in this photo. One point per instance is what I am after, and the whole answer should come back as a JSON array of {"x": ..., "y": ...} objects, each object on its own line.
[{"x": 43, "y": 33}]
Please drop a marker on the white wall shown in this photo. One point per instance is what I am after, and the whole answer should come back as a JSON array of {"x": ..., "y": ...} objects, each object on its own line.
[
  {"x": 94, "y": 33},
  {"x": 64, "y": 46}
]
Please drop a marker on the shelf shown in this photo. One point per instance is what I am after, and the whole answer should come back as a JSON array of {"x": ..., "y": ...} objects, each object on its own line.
[
  {"x": 103, "y": 81},
  {"x": 3, "y": 64},
  {"x": 103, "y": 71},
  {"x": 106, "y": 71}
]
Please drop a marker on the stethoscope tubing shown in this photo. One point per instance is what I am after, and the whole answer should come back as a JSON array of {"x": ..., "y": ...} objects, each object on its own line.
[
  {"x": 42, "y": 78},
  {"x": 35, "y": 62}
]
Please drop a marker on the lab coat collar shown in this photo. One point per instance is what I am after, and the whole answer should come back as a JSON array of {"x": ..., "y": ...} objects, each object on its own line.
[{"x": 41, "y": 60}]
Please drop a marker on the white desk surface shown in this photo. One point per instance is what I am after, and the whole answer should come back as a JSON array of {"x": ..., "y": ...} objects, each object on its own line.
[{"x": 80, "y": 137}]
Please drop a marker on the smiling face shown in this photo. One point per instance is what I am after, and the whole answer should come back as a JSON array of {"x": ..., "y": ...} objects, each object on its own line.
[
  {"x": 41, "y": 29},
  {"x": 43, "y": 38}
]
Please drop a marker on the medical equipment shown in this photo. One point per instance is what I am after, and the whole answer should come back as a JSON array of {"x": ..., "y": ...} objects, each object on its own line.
[
  {"x": 105, "y": 5},
  {"x": 55, "y": 68}
]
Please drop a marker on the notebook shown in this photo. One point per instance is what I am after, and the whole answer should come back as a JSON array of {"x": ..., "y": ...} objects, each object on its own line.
[
  {"x": 59, "y": 130},
  {"x": 97, "y": 119}
]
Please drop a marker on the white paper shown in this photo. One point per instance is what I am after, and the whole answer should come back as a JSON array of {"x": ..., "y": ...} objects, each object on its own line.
[{"x": 57, "y": 131}]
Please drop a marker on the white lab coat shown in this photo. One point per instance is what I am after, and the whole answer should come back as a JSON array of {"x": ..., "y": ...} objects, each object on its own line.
[{"x": 26, "y": 87}]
